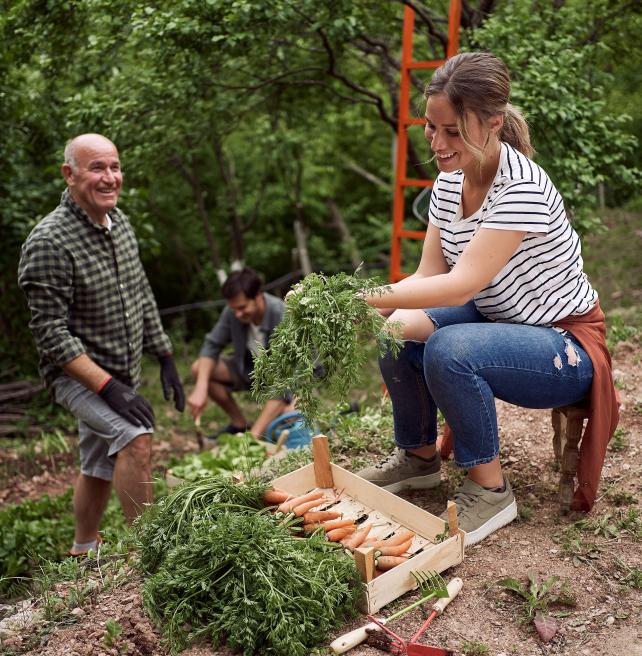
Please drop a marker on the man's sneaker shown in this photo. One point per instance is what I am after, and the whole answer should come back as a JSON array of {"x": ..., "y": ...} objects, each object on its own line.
[
  {"x": 403, "y": 471},
  {"x": 481, "y": 512}
]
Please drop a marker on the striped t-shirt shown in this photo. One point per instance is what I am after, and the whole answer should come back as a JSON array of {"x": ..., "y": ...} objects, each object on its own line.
[{"x": 543, "y": 281}]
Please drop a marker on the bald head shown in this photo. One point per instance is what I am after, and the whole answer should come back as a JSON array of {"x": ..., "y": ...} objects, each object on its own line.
[
  {"x": 90, "y": 140},
  {"x": 93, "y": 175}
]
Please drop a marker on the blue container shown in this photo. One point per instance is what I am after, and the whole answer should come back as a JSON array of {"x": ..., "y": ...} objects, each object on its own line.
[{"x": 300, "y": 434}]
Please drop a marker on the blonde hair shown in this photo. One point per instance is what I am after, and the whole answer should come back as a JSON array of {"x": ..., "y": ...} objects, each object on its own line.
[{"x": 479, "y": 82}]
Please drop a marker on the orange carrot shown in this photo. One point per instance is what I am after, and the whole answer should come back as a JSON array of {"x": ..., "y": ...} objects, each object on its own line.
[
  {"x": 308, "y": 505},
  {"x": 394, "y": 550},
  {"x": 320, "y": 516},
  {"x": 388, "y": 562},
  {"x": 337, "y": 534},
  {"x": 356, "y": 539},
  {"x": 273, "y": 496},
  {"x": 393, "y": 540},
  {"x": 328, "y": 526},
  {"x": 287, "y": 506}
]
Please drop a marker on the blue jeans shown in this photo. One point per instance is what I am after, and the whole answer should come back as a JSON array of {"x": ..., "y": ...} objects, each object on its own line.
[{"x": 468, "y": 362}]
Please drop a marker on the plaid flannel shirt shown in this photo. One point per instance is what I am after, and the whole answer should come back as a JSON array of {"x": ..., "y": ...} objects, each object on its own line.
[{"x": 88, "y": 293}]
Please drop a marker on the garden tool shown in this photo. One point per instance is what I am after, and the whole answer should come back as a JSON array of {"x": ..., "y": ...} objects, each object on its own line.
[
  {"x": 431, "y": 586},
  {"x": 199, "y": 434},
  {"x": 397, "y": 645}
]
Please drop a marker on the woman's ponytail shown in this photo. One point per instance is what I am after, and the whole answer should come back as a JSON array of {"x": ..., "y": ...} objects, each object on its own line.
[{"x": 515, "y": 131}]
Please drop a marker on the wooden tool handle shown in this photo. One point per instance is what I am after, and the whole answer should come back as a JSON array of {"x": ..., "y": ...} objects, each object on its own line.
[
  {"x": 353, "y": 638},
  {"x": 453, "y": 587}
]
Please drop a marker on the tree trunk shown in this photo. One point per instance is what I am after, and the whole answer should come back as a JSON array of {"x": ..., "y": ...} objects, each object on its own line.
[
  {"x": 302, "y": 247},
  {"x": 226, "y": 166},
  {"x": 197, "y": 192},
  {"x": 339, "y": 224}
]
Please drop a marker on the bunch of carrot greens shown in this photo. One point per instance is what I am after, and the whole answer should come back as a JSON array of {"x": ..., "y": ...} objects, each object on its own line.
[
  {"x": 321, "y": 344},
  {"x": 224, "y": 568}
]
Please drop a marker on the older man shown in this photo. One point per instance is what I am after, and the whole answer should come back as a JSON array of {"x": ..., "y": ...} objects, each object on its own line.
[{"x": 92, "y": 315}]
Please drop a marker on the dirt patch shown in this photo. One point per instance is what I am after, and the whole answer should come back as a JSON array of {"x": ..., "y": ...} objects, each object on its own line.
[{"x": 606, "y": 620}]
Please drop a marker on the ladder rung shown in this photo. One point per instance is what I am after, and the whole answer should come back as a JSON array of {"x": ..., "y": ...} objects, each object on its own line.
[
  {"x": 433, "y": 63},
  {"x": 407, "y": 182},
  {"x": 414, "y": 121}
]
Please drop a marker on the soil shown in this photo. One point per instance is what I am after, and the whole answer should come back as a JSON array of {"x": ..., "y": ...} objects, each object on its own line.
[{"x": 607, "y": 618}]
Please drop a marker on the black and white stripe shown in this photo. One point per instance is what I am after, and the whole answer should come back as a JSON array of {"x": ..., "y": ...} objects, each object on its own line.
[{"x": 544, "y": 280}]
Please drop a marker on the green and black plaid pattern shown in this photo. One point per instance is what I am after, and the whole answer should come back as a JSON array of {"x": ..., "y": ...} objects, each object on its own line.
[{"x": 88, "y": 293}]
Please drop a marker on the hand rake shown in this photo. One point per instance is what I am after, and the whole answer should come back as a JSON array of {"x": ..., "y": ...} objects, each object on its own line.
[
  {"x": 395, "y": 644},
  {"x": 431, "y": 586}
]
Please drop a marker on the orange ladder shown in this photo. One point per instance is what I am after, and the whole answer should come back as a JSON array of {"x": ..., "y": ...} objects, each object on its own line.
[{"x": 403, "y": 121}]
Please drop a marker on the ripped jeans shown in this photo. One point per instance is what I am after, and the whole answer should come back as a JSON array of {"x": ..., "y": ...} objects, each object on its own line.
[{"x": 468, "y": 362}]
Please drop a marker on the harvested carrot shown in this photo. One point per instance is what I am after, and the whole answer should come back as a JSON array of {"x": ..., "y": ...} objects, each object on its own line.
[
  {"x": 308, "y": 505},
  {"x": 288, "y": 505},
  {"x": 394, "y": 549},
  {"x": 356, "y": 539},
  {"x": 337, "y": 534},
  {"x": 393, "y": 540},
  {"x": 329, "y": 525},
  {"x": 272, "y": 496},
  {"x": 320, "y": 516},
  {"x": 388, "y": 562}
]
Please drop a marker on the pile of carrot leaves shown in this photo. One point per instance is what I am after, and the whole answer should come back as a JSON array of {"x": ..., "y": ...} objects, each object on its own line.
[
  {"x": 221, "y": 567},
  {"x": 322, "y": 342}
]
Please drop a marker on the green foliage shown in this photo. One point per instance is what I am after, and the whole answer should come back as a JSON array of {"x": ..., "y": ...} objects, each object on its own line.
[
  {"x": 235, "y": 453},
  {"x": 167, "y": 522},
  {"x": 38, "y": 530},
  {"x": 474, "y": 648},
  {"x": 112, "y": 630},
  {"x": 620, "y": 331},
  {"x": 559, "y": 82},
  {"x": 612, "y": 525},
  {"x": 618, "y": 441},
  {"x": 632, "y": 575},
  {"x": 537, "y": 596},
  {"x": 326, "y": 324},
  {"x": 30, "y": 531},
  {"x": 224, "y": 570}
]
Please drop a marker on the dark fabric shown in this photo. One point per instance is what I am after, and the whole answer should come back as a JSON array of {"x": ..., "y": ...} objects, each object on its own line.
[
  {"x": 123, "y": 400},
  {"x": 590, "y": 331},
  {"x": 229, "y": 330},
  {"x": 88, "y": 293},
  {"x": 171, "y": 382}
]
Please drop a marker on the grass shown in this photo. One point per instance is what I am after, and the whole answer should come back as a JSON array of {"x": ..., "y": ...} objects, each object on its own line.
[
  {"x": 474, "y": 648},
  {"x": 618, "y": 442},
  {"x": 617, "y": 278}
]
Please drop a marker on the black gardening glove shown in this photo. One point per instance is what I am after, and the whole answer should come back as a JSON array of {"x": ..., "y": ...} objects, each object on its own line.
[
  {"x": 129, "y": 405},
  {"x": 170, "y": 380}
]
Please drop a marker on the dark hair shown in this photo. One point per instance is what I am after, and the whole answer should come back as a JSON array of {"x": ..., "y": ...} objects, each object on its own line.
[
  {"x": 479, "y": 82},
  {"x": 246, "y": 281}
]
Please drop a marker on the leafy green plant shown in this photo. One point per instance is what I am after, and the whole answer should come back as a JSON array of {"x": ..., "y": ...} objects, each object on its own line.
[
  {"x": 536, "y": 597},
  {"x": 619, "y": 331},
  {"x": 222, "y": 568},
  {"x": 474, "y": 648},
  {"x": 618, "y": 441},
  {"x": 611, "y": 525},
  {"x": 326, "y": 326},
  {"x": 112, "y": 630},
  {"x": 234, "y": 453},
  {"x": 632, "y": 575},
  {"x": 573, "y": 545},
  {"x": 621, "y": 498},
  {"x": 40, "y": 530}
]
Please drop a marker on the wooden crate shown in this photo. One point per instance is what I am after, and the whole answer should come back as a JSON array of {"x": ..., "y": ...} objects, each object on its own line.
[{"x": 359, "y": 498}]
